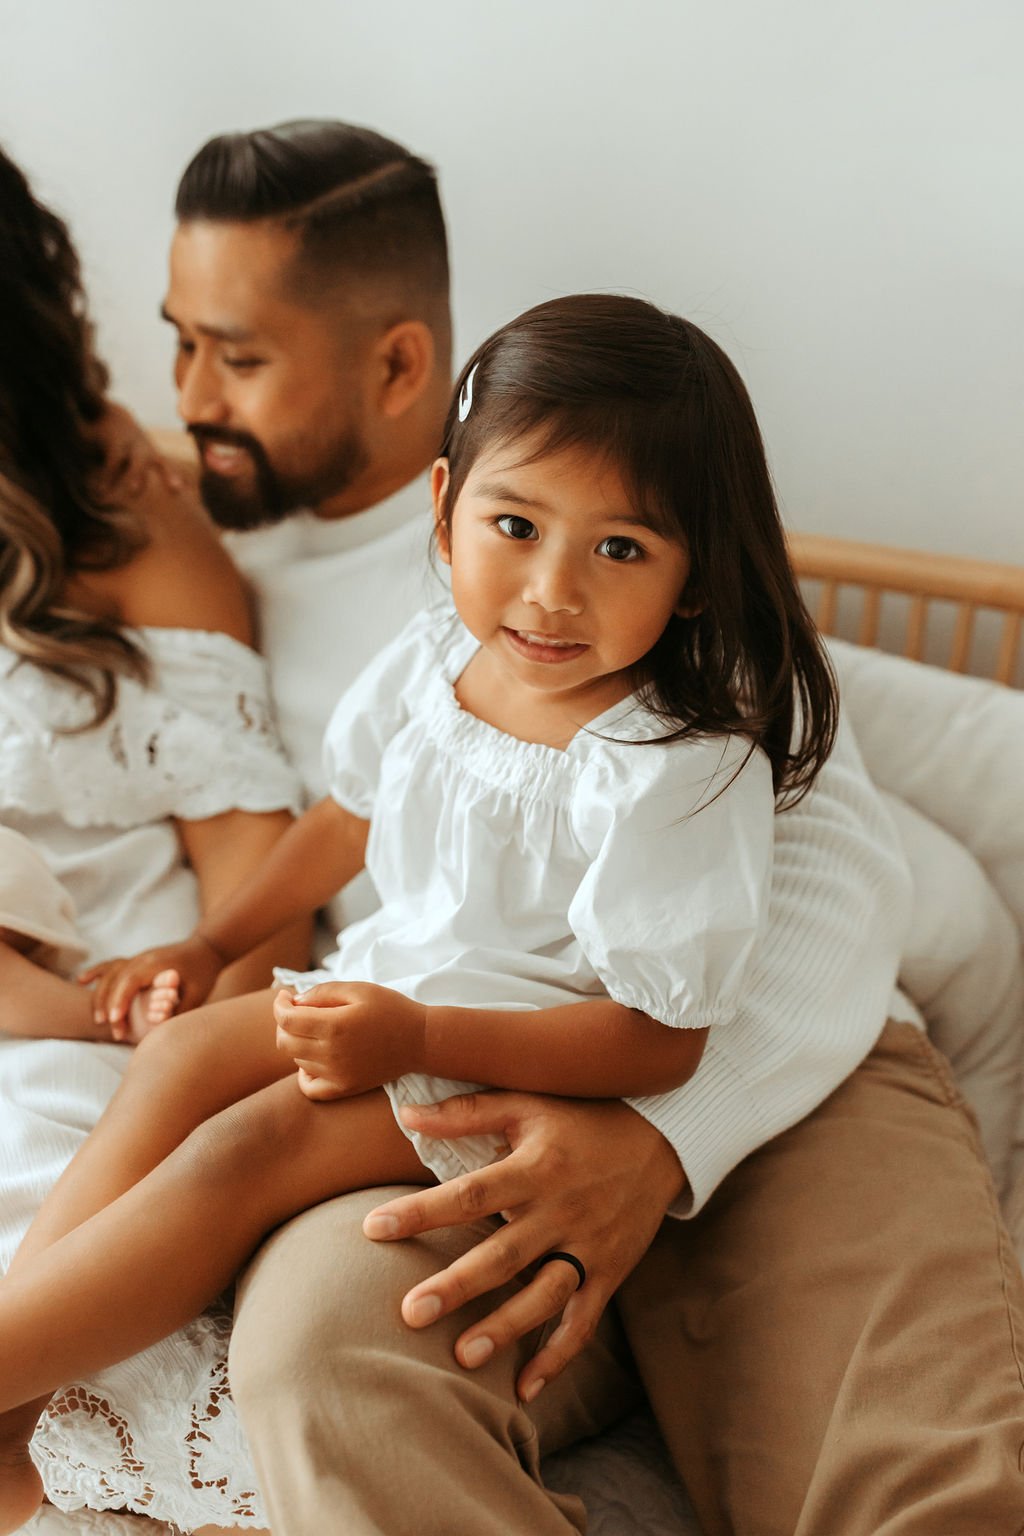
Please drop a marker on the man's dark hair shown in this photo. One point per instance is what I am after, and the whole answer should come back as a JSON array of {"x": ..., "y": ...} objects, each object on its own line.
[{"x": 362, "y": 205}]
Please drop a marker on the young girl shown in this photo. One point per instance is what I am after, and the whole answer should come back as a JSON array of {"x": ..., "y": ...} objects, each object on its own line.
[{"x": 563, "y": 787}]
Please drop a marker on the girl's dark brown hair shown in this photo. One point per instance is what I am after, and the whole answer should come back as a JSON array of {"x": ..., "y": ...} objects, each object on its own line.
[
  {"x": 51, "y": 394},
  {"x": 664, "y": 403}
]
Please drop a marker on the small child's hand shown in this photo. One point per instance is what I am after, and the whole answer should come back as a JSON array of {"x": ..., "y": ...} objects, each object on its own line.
[
  {"x": 194, "y": 965},
  {"x": 347, "y": 1037}
]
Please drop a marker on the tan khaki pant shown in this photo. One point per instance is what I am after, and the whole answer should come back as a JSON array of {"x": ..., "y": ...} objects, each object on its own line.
[{"x": 833, "y": 1348}]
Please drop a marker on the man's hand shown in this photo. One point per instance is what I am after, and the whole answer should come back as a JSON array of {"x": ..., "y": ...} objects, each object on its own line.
[
  {"x": 118, "y": 982},
  {"x": 589, "y": 1177},
  {"x": 347, "y": 1037}
]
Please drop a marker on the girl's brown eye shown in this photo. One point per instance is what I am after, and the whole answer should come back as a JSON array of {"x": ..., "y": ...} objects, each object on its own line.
[
  {"x": 619, "y": 549},
  {"x": 516, "y": 527}
]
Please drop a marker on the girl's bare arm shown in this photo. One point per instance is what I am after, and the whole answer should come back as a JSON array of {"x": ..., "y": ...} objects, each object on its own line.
[
  {"x": 307, "y": 865},
  {"x": 226, "y": 852},
  {"x": 351, "y": 1036},
  {"x": 588, "y": 1050}
]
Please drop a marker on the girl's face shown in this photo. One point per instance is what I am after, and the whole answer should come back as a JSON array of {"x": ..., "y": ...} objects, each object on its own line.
[{"x": 556, "y": 573}]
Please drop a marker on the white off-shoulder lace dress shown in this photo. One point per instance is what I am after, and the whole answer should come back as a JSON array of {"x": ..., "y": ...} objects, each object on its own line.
[{"x": 159, "y": 1434}]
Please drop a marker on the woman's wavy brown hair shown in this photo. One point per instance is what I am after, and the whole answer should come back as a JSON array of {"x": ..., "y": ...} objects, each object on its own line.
[
  {"x": 51, "y": 393},
  {"x": 664, "y": 403}
]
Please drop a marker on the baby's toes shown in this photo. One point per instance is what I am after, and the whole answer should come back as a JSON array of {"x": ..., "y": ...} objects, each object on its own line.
[{"x": 163, "y": 997}]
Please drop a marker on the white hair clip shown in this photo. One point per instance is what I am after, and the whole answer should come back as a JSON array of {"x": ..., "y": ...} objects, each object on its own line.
[{"x": 466, "y": 394}]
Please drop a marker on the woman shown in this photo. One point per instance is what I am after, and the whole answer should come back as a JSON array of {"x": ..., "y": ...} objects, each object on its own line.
[{"x": 141, "y": 779}]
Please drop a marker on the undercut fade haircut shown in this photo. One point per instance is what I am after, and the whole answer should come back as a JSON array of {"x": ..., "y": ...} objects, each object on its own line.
[{"x": 362, "y": 205}]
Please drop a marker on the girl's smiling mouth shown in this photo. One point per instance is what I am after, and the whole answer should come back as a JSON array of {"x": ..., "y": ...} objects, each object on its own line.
[{"x": 545, "y": 648}]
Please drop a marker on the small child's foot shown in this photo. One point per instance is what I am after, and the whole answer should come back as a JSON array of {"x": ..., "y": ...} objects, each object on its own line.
[
  {"x": 21, "y": 1487},
  {"x": 155, "y": 1005}
]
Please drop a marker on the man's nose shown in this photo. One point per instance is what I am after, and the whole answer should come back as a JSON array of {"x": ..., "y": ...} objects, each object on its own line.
[
  {"x": 200, "y": 399},
  {"x": 554, "y": 583}
]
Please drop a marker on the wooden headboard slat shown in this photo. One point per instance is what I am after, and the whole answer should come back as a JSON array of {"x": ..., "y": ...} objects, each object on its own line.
[{"x": 876, "y": 570}]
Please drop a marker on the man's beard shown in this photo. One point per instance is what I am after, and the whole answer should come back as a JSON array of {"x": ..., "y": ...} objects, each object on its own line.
[{"x": 273, "y": 495}]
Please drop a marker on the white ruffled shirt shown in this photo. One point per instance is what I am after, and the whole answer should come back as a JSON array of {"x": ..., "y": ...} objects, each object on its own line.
[{"x": 514, "y": 875}]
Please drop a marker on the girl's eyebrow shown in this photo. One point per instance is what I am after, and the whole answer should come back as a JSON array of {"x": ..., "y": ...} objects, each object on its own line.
[{"x": 497, "y": 490}]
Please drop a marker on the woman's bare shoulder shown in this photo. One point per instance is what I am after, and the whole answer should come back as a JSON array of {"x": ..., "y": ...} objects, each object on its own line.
[{"x": 182, "y": 577}]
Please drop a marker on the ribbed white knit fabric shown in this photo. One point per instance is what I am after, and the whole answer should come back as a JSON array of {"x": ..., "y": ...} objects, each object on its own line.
[{"x": 815, "y": 1002}]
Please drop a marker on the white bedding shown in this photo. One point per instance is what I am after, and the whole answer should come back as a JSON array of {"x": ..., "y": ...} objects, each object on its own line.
[{"x": 950, "y": 748}]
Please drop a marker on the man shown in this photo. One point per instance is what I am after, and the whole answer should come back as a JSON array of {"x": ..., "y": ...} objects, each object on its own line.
[{"x": 791, "y": 1323}]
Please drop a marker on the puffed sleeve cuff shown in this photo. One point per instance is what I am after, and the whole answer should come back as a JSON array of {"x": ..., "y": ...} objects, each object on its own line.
[{"x": 680, "y": 841}]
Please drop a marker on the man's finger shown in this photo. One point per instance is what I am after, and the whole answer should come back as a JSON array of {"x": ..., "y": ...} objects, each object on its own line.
[
  {"x": 465, "y": 1115},
  {"x": 485, "y": 1192},
  {"x": 579, "y": 1322},
  {"x": 546, "y": 1296},
  {"x": 502, "y": 1257}
]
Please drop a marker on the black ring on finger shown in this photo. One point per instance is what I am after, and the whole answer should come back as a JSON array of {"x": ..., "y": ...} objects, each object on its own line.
[{"x": 567, "y": 1258}]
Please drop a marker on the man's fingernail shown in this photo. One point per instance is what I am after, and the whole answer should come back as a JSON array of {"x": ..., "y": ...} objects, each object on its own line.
[
  {"x": 424, "y": 1310},
  {"x": 380, "y": 1224},
  {"x": 418, "y": 1109},
  {"x": 477, "y": 1351},
  {"x": 535, "y": 1388}
]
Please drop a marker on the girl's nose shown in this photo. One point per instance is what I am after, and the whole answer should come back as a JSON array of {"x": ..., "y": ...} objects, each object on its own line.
[{"x": 554, "y": 584}]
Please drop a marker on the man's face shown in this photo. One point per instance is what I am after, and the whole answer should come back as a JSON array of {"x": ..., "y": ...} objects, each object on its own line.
[{"x": 272, "y": 390}]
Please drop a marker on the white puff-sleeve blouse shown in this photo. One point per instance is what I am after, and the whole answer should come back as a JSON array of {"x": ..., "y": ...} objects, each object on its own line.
[{"x": 515, "y": 875}]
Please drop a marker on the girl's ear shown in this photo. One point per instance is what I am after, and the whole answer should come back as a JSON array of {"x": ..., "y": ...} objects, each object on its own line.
[
  {"x": 690, "y": 604},
  {"x": 439, "y": 492},
  {"x": 405, "y": 356}
]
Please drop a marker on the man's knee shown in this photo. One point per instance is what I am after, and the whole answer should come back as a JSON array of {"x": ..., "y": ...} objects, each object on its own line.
[{"x": 317, "y": 1292}]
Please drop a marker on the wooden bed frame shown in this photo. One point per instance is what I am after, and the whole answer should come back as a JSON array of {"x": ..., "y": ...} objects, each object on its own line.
[{"x": 875, "y": 570}]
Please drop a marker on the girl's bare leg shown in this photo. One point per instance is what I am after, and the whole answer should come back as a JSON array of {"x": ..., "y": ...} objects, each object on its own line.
[
  {"x": 185, "y": 1071},
  {"x": 177, "y": 1238}
]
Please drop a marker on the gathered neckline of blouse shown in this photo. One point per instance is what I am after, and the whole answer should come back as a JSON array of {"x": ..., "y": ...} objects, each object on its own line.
[{"x": 491, "y": 754}]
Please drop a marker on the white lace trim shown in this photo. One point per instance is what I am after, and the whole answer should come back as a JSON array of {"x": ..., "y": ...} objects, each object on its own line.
[
  {"x": 198, "y": 741},
  {"x": 158, "y": 1436}
]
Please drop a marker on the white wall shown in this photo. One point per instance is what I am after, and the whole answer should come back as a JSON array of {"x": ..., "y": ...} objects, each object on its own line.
[{"x": 832, "y": 189}]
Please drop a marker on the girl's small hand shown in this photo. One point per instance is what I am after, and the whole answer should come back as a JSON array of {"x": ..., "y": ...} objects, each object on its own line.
[
  {"x": 348, "y": 1037},
  {"x": 118, "y": 982}
]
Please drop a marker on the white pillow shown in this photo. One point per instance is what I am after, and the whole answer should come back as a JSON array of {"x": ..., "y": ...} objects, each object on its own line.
[
  {"x": 962, "y": 966},
  {"x": 951, "y": 746}
]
